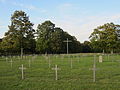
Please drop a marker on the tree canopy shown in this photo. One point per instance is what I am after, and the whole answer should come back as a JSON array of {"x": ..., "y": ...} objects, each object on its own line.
[
  {"x": 50, "y": 39},
  {"x": 105, "y": 37},
  {"x": 20, "y": 34}
]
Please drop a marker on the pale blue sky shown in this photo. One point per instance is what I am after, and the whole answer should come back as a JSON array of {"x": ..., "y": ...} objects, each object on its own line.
[{"x": 77, "y": 17}]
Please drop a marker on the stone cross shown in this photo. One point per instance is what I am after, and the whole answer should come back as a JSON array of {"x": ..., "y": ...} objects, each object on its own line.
[
  {"x": 19, "y": 57},
  {"x": 111, "y": 51},
  {"x": 78, "y": 57},
  {"x": 108, "y": 57},
  {"x": 62, "y": 57},
  {"x": 46, "y": 57},
  {"x": 94, "y": 69},
  {"x": 103, "y": 51},
  {"x": 49, "y": 61},
  {"x": 67, "y": 41},
  {"x": 71, "y": 63},
  {"x": 100, "y": 59},
  {"x": 11, "y": 62},
  {"x": 33, "y": 57},
  {"x": 6, "y": 59},
  {"x": 29, "y": 63},
  {"x": 56, "y": 74},
  {"x": 56, "y": 56},
  {"x": 22, "y": 70}
]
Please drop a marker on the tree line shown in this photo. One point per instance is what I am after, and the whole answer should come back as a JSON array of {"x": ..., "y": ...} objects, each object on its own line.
[{"x": 48, "y": 38}]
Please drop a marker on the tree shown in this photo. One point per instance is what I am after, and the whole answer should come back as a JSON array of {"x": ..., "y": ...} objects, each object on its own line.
[
  {"x": 86, "y": 47},
  {"x": 105, "y": 37},
  {"x": 50, "y": 39},
  {"x": 44, "y": 35},
  {"x": 56, "y": 40},
  {"x": 20, "y": 34}
]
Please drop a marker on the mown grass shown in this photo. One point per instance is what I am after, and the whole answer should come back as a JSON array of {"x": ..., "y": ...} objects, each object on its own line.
[{"x": 40, "y": 77}]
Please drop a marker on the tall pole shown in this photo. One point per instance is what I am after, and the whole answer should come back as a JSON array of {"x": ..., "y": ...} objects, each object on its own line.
[
  {"x": 21, "y": 37},
  {"x": 67, "y": 45},
  {"x": 67, "y": 41},
  {"x": 22, "y": 72},
  {"x": 94, "y": 67},
  {"x": 56, "y": 73},
  {"x": 21, "y": 52}
]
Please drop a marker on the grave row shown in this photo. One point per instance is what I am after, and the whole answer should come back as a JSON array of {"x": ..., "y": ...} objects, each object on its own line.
[{"x": 22, "y": 68}]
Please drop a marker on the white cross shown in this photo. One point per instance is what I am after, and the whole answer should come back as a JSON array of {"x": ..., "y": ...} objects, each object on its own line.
[
  {"x": 19, "y": 57},
  {"x": 49, "y": 62},
  {"x": 108, "y": 57},
  {"x": 62, "y": 57},
  {"x": 103, "y": 51},
  {"x": 56, "y": 74},
  {"x": 78, "y": 59},
  {"x": 11, "y": 62},
  {"x": 29, "y": 62},
  {"x": 67, "y": 41},
  {"x": 46, "y": 57},
  {"x": 6, "y": 59},
  {"x": 22, "y": 70},
  {"x": 71, "y": 63},
  {"x": 94, "y": 69},
  {"x": 33, "y": 58}
]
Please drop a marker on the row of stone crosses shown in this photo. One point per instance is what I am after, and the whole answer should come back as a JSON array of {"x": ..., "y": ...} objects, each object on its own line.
[{"x": 22, "y": 68}]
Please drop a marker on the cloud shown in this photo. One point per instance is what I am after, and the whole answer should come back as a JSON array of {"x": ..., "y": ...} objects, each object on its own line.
[
  {"x": 83, "y": 27},
  {"x": 65, "y": 8},
  {"x": 2, "y": 1},
  {"x": 71, "y": 10},
  {"x": 29, "y": 7},
  {"x": 3, "y": 29},
  {"x": 65, "y": 5}
]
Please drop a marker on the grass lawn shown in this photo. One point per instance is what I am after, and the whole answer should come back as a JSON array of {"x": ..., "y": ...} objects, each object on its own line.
[{"x": 40, "y": 77}]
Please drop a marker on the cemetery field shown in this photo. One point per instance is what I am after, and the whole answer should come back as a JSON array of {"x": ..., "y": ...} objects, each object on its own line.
[{"x": 75, "y": 72}]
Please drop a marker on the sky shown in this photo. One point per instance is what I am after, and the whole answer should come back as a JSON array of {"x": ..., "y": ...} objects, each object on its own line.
[{"x": 77, "y": 17}]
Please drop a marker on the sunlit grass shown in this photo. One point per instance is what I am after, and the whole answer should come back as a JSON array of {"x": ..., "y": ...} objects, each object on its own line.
[{"x": 40, "y": 77}]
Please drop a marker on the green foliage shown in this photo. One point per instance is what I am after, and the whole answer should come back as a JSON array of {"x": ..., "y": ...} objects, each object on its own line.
[
  {"x": 104, "y": 37},
  {"x": 86, "y": 47},
  {"x": 20, "y": 34},
  {"x": 50, "y": 39}
]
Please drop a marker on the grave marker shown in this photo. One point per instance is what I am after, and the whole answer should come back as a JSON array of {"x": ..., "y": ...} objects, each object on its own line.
[
  {"x": 94, "y": 69},
  {"x": 6, "y": 59},
  {"x": 56, "y": 72},
  {"x": 78, "y": 59},
  {"x": 108, "y": 57},
  {"x": 11, "y": 62},
  {"x": 49, "y": 61},
  {"x": 71, "y": 63},
  {"x": 111, "y": 51},
  {"x": 62, "y": 57},
  {"x": 46, "y": 57},
  {"x": 19, "y": 57},
  {"x": 22, "y": 70},
  {"x": 29, "y": 63},
  {"x": 100, "y": 59}
]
